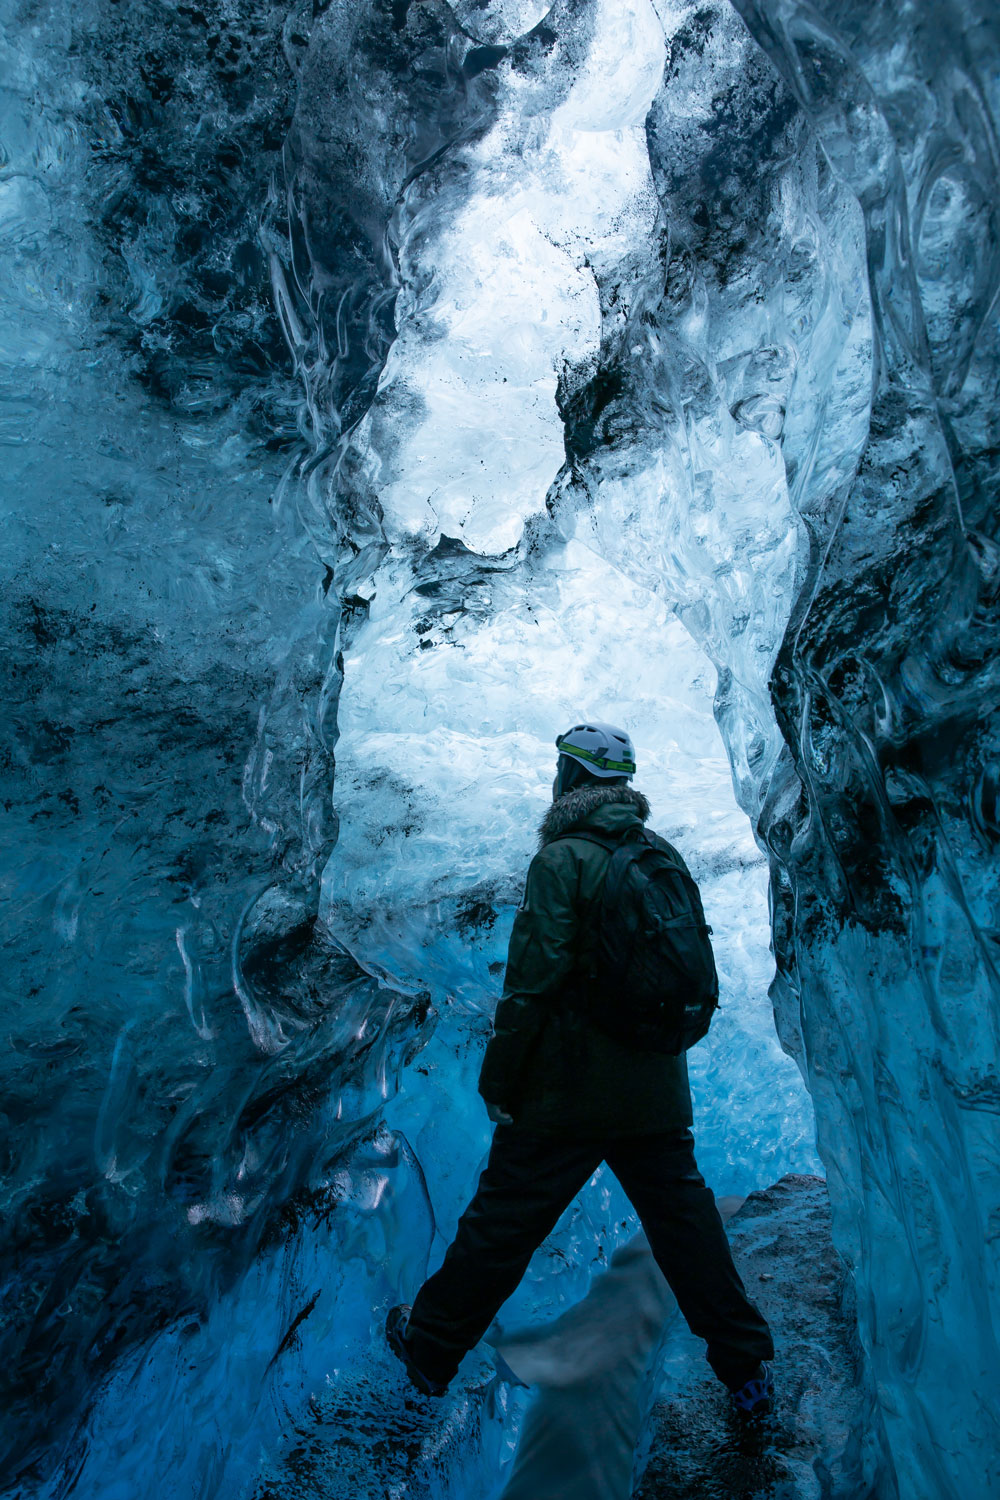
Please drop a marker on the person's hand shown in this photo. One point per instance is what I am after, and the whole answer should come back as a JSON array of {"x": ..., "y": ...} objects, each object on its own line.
[{"x": 498, "y": 1114}]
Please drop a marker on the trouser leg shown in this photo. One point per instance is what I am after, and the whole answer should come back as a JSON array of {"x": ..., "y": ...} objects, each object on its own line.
[
  {"x": 527, "y": 1183},
  {"x": 688, "y": 1239}
]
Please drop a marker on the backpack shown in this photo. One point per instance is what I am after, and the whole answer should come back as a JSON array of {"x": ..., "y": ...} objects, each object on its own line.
[{"x": 653, "y": 982}]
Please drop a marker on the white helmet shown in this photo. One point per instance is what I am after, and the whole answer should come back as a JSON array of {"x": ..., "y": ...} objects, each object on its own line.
[{"x": 600, "y": 748}]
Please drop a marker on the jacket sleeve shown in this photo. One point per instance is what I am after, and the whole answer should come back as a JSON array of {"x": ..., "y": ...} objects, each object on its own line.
[{"x": 543, "y": 947}]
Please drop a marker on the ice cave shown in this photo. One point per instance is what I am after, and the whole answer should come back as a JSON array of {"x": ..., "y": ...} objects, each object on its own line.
[{"x": 385, "y": 384}]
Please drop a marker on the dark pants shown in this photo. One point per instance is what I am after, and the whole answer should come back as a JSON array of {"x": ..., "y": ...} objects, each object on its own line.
[{"x": 528, "y": 1181}]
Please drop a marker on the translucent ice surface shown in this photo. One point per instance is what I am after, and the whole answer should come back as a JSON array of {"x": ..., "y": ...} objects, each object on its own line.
[{"x": 383, "y": 385}]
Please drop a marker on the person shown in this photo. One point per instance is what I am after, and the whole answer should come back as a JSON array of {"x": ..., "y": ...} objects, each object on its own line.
[{"x": 565, "y": 1094}]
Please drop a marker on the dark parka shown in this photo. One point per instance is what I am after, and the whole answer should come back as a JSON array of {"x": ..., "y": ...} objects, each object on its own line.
[{"x": 556, "y": 1071}]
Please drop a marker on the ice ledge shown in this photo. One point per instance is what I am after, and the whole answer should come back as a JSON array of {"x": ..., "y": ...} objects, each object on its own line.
[{"x": 823, "y": 1438}]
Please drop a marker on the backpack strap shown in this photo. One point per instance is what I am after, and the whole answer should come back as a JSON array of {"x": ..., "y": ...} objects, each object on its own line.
[
  {"x": 603, "y": 841},
  {"x": 624, "y": 851}
]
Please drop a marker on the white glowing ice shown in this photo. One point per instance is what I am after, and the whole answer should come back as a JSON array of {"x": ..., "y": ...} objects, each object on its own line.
[{"x": 464, "y": 670}]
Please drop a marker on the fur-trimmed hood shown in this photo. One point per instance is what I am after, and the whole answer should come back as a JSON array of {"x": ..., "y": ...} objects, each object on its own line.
[{"x": 577, "y": 806}]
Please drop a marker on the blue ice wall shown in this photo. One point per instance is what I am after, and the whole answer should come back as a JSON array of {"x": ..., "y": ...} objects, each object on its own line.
[
  {"x": 170, "y": 687},
  {"x": 418, "y": 374},
  {"x": 831, "y": 259}
]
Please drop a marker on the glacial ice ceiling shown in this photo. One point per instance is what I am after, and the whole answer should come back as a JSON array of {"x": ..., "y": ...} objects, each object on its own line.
[{"x": 418, "y": 374}]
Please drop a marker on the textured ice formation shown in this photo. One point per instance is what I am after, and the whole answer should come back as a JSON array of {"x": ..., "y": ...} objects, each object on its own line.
[
  {"x": 422, "y": 374},
  {"x": 171, "y": 1015},
  {"x": 883, "y": 834}
]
